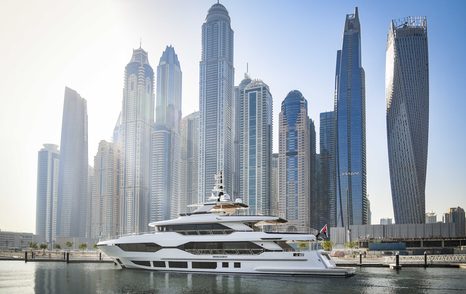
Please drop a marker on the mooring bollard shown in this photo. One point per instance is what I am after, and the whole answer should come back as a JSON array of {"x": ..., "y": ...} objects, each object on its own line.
[
  {"x": 67, "y": 257},
  {"x": 25, "y": 256},
  {"x": 360, "y": 258},
  {"x": 425, "y": 259}
]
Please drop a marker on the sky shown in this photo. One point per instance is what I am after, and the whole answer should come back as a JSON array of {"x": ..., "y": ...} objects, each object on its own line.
[{"x": 289, "y": 44}]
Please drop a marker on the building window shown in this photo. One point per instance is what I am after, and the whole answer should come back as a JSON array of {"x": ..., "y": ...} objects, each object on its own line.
[
  {"x": 237, "y": 264},
  {"x": 224, "y": 264}
]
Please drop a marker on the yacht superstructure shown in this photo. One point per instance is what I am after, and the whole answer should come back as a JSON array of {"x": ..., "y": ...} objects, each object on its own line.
[{"x": 215, "y": 239}]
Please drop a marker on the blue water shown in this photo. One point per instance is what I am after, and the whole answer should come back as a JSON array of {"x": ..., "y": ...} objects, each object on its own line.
[{"x": 49, "y": 277}]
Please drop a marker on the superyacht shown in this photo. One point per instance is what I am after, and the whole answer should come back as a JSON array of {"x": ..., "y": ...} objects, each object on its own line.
[{"x": 217, "y": 238}]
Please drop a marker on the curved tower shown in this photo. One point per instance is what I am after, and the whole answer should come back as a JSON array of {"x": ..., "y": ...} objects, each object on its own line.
[
  {"x": 216, "y": 83},
  {"x": 407, "y": 94}
]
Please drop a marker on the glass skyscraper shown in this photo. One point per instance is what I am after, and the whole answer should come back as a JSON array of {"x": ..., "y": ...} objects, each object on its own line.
[
  {"x": 73, "y": 200},
  {"x": 256, "y": 146},
  {"x": 351, "y": 194},
  {"x": 164, "y": 199},
  {"x": 327, "y": 165},
  {"x": 294, "y": 162},
  {"x": 407, "y": 94},
  {"x": 136, "y": 124},
  {"x": 216, "y": 84},
  {"x": 47, "y": 193}
]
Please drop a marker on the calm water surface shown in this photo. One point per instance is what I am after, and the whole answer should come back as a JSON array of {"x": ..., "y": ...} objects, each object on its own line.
[{"x": 48, "y": 277}]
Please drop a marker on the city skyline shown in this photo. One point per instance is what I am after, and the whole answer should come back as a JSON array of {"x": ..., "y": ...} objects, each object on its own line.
[{"x": 300, "y": 81}]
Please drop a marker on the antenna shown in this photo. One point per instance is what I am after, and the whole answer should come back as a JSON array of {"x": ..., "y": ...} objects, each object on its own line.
[
  {"x": 140, "y": 42},
  {"x": 247, "y": 67}
]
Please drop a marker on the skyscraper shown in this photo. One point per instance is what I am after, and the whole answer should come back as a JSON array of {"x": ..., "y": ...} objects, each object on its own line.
[
  {"x": 407, "y": 93},
  {"x": 350, "y": 111},
  {"x": 105, "y": 199},
  {"x": 294, "y": 162},
  {"x": 456, "y": 215},
  {"x": 137, "y": 118},
  {"x": 256, "y": 146},
  {"x": 237, "y": 153},
  {"x": 327, "y": 165},
  {"x": 165, "y": 155},
  {"x": 47, "y": 193},
  {"x": 216, "y": 83},
  {"x": 188, "y": 179},
  {"x": 73, "y": 197}
]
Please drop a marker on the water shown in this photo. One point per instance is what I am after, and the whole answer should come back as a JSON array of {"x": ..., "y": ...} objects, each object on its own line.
[{"x": 58, "y": 277}]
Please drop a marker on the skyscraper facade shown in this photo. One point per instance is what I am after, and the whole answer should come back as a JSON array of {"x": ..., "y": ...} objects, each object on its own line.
[
  {"x": 137, "y": 118},
  {"x": 327, "y": 182},
  {"x": 350, "y": 111},
  {"x": 105, "y": 199},
  {"x": 274, "y": 204},
  {"x": 165, "y": 155},
  {"x": 216, "y": 84},
  {"x": 294, "y": 162},
  {"x": 256, "y": 146},
  {"x": 407, "y": 95},
  {"x": 47, "y": 193},
  {"x": 237, "y": 129},
  {"x": 316, "y": 205},
  {"x": 72, "y": 176},
  {"x": 188, "y": 178}
]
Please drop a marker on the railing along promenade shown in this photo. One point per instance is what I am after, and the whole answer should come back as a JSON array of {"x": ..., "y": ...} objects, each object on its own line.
[
  {"x": 69, "y": 256},
  {"x": 439, "y": 260}
]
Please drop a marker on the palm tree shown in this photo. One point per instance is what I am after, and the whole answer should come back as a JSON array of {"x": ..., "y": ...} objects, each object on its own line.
[
  {"x": 82, "y": 246},
  {"x": 69, "y": 244}
]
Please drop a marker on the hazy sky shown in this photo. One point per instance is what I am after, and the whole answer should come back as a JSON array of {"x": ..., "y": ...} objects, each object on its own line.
[{"x": 47, "y": 45}]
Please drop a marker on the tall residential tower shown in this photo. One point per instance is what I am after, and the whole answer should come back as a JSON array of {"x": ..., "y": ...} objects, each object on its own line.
[
  {"x": 165, "y": 155},
  {"x": 47, "y": 193},
  {"x": 294, "y": 162},
  {"x": 136, "y": 124},
  {"x": 256, "y": 146},
  {"x": 216, "y": 84},
  {"x": 407, "y": 93},
  {"x": 73, "y": 197},
  {"x": 350, "y": 132}
]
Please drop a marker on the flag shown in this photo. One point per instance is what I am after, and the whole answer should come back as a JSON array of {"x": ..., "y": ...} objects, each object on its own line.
[{"x": 323, "y": 231}]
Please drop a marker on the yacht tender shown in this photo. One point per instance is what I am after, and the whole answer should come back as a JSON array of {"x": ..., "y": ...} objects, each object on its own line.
[{"x": 213, "y": 239}]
